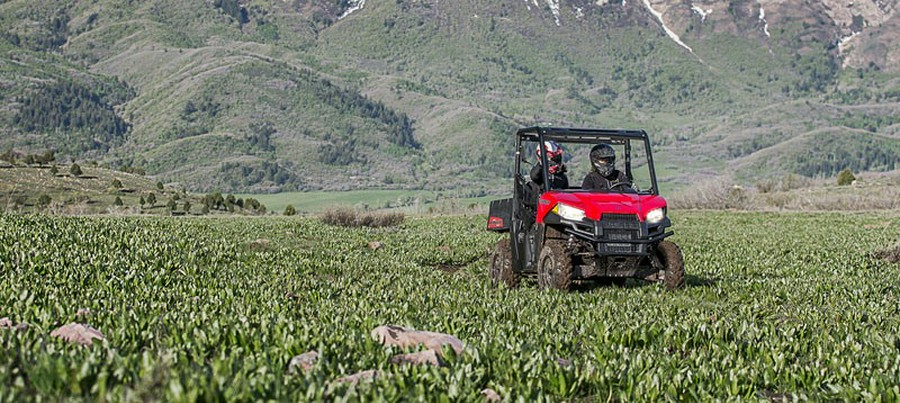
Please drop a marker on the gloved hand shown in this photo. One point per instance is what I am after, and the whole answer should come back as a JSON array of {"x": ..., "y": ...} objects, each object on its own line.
[{"x": 557, "y": 168}]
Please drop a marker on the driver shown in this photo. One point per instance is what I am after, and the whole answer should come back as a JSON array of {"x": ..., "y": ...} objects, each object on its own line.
[
  {"x": 604, "y": 175},
  {"x": 556, "y": 168}
]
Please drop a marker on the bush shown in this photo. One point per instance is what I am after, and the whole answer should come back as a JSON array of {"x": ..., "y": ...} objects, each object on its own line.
[
  {"x": 44, "y": 200},
  {"x": 713, "y": 194},
  {"x": 118, "y": 201},
  {"x": 116, "y": 184},
  {"x": 845, "y": 177},
  {"x": 290, "y": 210},
  {"x": 75, "y": 170},
  {"x": 346, "y": 217}
]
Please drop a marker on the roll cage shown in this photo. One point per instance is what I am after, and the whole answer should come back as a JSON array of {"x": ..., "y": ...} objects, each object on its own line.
[{"x": 586, "y": 136}]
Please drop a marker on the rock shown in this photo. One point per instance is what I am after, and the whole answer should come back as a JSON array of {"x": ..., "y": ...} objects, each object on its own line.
[
  {"x": 303, "y": 362},
  {"x": 78, "y": 333},
  {"x": 490, "y": 395},
  {"x": 404, "y": 337},
  {"x": 259, "y": 244},
  {"x": 369, "y": 375},
  {"x": 5, "y": 323},
  {"x": 427, "y": 357},
  {"x": 375, "y": 245}
]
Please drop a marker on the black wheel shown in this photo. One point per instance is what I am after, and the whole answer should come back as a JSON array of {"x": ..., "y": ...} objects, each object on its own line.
[
  {"x": 502, "y": 271},
  {"x": 672, "y": 261},
  {"x": 554, "y": 266}
]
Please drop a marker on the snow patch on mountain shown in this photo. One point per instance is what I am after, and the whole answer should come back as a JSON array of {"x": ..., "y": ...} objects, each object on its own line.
[
  {"x": 554, "y": 8},
  {"x": 669, "y": 32},
  {"x": 703, "y": 13},
  {"x": 355, "y": 5},
  {"x": 762, "y": 19}
]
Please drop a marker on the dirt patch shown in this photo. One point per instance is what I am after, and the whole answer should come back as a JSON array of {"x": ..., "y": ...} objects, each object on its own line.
[
  {"x": 890, "y": 255},
  {"x": 375, "y": 245},
  {"x": 78, "y": 333},
  {"x": 448, "y": 268}
]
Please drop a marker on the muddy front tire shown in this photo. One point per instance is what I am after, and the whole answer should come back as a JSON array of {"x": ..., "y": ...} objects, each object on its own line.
[
  {"x": 669, "y": 255},
  {"x": 554, "y": 266},
  {"x": 502, "y": 271}
]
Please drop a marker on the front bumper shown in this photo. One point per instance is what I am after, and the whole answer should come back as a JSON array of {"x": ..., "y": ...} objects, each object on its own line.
[{"x": 614, "y": 234}]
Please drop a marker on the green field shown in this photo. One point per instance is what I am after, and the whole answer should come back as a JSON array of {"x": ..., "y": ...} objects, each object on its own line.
[
  {"x": 776, "y": 306},
  {"x": 414, "y": 201}
]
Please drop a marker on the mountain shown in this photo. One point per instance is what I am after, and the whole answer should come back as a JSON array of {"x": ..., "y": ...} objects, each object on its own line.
[{"x": 261, "y": 96}]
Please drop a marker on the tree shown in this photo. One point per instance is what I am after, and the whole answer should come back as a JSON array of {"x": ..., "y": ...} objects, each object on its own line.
[
  {"x": 44, "y": 200},
  {"x": 75, "y": 170},
  {"x": 54, "y": 170},
  {"x": 142, "y": 201},
  {"x": 29, "y": 159},
  {"x": 118, "y": 201},
  {"x": 172, "y": 205},
  {"x": 290, "y": 210},
  {"x": 159, "y": 185},
  {"x": 116, "y": 184},
  {"x": 187, "y": 206},
  {"x": 151, "y": 199},
  {"x": 845, "y": 177}
]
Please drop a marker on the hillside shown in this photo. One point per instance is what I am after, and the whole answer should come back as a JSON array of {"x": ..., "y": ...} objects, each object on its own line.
[
  {"x": 54, "y": 188},
  {"x": 263, "y": 96}
]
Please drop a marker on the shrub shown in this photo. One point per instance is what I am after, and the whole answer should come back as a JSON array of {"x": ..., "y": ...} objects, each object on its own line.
[
  {"x": 75, "y": 170},
  {"x": 346, "y": 217},
  {"x": 845, "y": 177},
  {"x": 54, "y": 170},
  {"x": 118, "y": 201},
  {"x": 159, "y": 185},
  {"x": 116, "y": 184},
  {"x": 290, "y": 210},
  {"x": 714, "y": 194},
  {"x": 44, "y": 200}
]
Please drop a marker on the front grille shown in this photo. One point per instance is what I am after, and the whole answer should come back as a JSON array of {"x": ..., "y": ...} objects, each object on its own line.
[
  {"x": 624, "y": 221},
  {"x": 619, "y": 227}
]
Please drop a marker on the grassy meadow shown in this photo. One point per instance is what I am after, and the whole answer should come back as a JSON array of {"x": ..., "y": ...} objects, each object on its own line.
[{"x": 777, "y": 306}]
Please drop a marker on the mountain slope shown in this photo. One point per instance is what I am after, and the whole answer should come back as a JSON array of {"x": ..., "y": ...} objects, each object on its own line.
[{"x": 263, "y": 96}]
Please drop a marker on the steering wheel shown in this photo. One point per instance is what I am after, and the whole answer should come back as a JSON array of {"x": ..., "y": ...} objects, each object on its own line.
[{"x": 625, "y": 185}]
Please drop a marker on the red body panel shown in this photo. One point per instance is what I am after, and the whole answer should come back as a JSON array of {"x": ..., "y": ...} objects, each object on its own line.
[{"x": 595, "y": 204}]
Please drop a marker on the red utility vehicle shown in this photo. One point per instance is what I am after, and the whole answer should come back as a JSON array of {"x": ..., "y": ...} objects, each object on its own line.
[{"x": 572, "y": 235}]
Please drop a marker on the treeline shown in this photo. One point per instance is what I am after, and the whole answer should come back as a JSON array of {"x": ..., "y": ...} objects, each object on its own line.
[
  {"x": 237, "y": 175},
  {"x": 51, "y": 32},
  {"x": 234, "y": 9},
  {"x": 399, "y": 126},
  {"x": 866, "y": 154},
  {"x": 68, "y": 106},
  {"x": 215, "y": 201}
]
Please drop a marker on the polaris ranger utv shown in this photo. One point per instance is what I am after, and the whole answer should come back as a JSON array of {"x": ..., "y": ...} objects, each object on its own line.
[{"x": 565, "y": 236}]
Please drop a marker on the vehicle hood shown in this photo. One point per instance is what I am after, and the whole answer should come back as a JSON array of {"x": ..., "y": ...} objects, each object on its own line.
[{"x": 595, "y": 204}]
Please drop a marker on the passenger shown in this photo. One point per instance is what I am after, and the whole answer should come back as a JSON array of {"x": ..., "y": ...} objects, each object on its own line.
[{"x": 556, "y": 168}]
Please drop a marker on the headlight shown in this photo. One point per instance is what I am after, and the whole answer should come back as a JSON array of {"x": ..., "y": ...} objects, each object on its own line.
[
  {"x": 569, "y": 212},
  {"x": 656, "y": 215}
]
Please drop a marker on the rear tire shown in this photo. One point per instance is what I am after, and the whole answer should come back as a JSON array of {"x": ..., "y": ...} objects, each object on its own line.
[
  {"x": 502, "y": 271},
  {"x": 670, "y": 256},
  {"x": 554, "y": 266}
]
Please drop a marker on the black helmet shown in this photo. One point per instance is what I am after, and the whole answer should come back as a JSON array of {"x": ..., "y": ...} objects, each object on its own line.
[{"x": 603, "y": 159}]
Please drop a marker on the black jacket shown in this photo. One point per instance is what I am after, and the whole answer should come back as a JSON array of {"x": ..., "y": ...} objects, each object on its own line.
[
  {"x": 595, "y": 181},
  {"x": 557, "y": 181}
]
